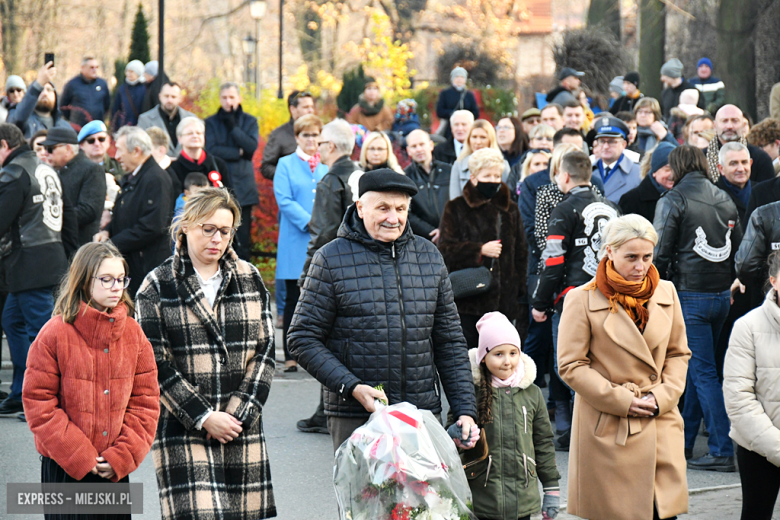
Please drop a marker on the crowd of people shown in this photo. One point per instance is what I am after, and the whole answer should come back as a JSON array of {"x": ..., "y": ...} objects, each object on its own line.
[{"x": 625, "y": 258}]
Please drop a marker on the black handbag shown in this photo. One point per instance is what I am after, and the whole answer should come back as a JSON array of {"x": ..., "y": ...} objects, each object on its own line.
[{"x": 474, "y": 281}]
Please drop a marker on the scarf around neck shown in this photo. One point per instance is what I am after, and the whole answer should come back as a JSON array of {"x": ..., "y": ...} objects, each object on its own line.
[
  {"x": 370, "y": 110},
  {"x": 313, "y": 160},
  {"x": 712, "y": 156},
  {"x": 632, "y": 296},
  {"x": 511, "y": 381}
]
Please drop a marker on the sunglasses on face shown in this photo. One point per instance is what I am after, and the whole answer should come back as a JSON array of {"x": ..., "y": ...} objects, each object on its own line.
[
  {"x": 50, "y": 149},
  {"x": 14, "y": 90},
  {"x": 91, "y": 140}
]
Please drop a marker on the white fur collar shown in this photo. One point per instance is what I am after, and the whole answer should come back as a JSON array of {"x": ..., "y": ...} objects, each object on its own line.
[{"x": 528, "y": 378}]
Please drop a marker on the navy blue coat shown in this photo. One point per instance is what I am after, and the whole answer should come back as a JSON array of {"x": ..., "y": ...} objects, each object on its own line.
[
  {"x": 127, "y": 105},
  {"x": 83, "y": 101},
  {"x": 236, "y": 146}
]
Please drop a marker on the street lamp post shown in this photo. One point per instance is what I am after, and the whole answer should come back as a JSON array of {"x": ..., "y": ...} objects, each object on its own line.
[
  {"x": 257, "y": 9},
  {"x": 281, "y": 27},
  {"x": 249, "y": 44}
]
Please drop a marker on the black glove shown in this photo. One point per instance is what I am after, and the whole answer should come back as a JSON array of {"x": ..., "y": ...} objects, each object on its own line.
[{"x": 230, "y": 119}]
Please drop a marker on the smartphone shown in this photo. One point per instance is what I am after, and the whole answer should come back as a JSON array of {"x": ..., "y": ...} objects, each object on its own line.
[{"x": 48, "y": 57}]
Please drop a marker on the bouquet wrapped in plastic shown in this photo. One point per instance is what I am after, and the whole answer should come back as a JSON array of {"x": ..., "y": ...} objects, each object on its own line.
[{"x": 401, "y": 465}]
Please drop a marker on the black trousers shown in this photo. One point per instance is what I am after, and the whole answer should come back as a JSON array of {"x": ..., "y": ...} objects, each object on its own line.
[
  {"x": 468, "y": 323},
  {"x": 293, "y": 292},
  {"x": 243, "y": 241},
  {"x": 760, "y": 484},
  {"x": 52, "y": 473}
]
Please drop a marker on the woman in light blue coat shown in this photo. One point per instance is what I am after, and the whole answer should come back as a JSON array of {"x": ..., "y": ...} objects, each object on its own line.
[{"x": 295, "y": 184}]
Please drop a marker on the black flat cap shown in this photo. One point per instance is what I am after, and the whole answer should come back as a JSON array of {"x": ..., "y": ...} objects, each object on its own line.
[
  {"x": 59, "y": 135},
  {"x": 385, "y": 179}
]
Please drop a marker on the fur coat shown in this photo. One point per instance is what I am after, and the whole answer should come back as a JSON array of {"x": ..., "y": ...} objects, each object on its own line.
[
  {"x": 219, "y": 359},
  {"x": 468, "y": 222}
]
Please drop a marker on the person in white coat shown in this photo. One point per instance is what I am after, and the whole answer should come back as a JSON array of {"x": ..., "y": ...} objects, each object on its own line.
[{"x": 751, "y": 388}]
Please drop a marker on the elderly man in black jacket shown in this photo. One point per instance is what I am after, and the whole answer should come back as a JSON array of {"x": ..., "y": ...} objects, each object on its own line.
[
  {"x": 433, "y": 179},
  {"x": 143, "y": 209},
  {"x": 232, "y": 135},
  {"x": 83, "y": 181},
  {"x": 377, "y": 308}
]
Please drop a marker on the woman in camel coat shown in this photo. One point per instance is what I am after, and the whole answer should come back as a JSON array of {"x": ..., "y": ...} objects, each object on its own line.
[{"x": 626, "y": 357}]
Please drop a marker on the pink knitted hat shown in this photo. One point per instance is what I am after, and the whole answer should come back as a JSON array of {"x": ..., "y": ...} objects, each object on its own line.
[{"x": 495, "y": 329}]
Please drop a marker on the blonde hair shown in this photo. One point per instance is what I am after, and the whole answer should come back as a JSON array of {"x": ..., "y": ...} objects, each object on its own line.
[
  {"x": 201, "y": 206},
  {"x": 392, "y": 161},
  {"x": 529, "y": 159},
  {"x": 307, "y": 122},
  {"x": 488, "y": 128},
  {"x": 646, "y": 164},
  {"x": 75, "y": 286},
  {"x": 541, "y": 130},
  {"x": 557, "y": 157},
  {"x": 485, "y": 158},
  {"x": 620, "y": 230},
  {"x": 159, "y": 136}
]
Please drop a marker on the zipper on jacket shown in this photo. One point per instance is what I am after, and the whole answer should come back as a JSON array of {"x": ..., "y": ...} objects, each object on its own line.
[
  {"x": 525, "y": 468},
  {"x": 525, "y": 420},
  {"x": 403, "y": 325},
  {"x": 487, "y": 475}
]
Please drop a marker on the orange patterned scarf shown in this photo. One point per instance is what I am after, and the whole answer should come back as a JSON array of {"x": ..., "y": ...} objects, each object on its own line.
[{"x": 632, "y": 296}]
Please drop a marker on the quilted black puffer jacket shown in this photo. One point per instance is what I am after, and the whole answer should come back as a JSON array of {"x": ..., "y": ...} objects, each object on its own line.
[{"x": 381, "y": 313}]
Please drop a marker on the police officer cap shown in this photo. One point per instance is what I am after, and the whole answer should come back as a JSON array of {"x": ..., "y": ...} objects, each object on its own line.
[
  {"x": 609, "y": 126},
  {"x": 385, "y": 179}
]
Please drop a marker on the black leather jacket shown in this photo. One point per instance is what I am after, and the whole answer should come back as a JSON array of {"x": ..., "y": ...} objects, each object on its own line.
[
  {"x": 374, "y": 312},
  {"x": 761, "y": 239},
  {"x": 573, "y": 240},
  {"x": 698, "y": 235},
  {"x": 428, "y": 205},
  {"x": 333, "y": 197}
]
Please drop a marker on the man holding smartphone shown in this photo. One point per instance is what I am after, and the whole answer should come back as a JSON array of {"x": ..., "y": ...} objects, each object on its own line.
[{"x": 39, "y": 109}]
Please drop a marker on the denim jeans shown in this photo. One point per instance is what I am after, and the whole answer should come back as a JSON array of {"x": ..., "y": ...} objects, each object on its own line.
[
  {"x": 704, "y": 314},
  {"x": 25, "y": 313}
]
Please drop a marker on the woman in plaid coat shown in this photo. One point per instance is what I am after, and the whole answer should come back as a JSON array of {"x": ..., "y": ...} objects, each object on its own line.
[{"x": 207, "y": 315}]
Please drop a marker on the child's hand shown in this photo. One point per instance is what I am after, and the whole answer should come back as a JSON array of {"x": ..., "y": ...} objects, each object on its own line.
[{"x": 551, "y": 504}]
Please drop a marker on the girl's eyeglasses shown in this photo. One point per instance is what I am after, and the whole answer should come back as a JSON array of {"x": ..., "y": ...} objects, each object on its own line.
[{"x": 108, "y": 282}]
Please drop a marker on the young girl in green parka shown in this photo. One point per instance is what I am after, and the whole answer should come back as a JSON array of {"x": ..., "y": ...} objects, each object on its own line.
[{"x": 516, "y": 442}]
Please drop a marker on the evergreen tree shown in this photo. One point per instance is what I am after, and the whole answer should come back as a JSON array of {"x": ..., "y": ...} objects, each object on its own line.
[
  {"x": 139, "y": 42},
  {"x": 354, "y": 82}
]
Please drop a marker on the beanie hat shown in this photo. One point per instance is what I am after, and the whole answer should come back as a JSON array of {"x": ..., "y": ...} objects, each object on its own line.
[
  {"x": 632, "y": 77},
  {"x": 672, "y": 68},
  {"x": 704, "y": 61},
  {"x": 136, "y": 66},
  {"x": 152, "y": 68},
  {"x": 459, "y": 72},
  {"x": 14, "y": 82},
  {"x": 369, "y": 80},
  {"x": 616, "y": 85},
  {"x": 660, "y": 156},
  {"x": 495, "y": 329}
]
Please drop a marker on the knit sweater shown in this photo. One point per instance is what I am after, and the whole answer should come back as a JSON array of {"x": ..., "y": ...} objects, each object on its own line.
[{"x": 90, "y": 389}]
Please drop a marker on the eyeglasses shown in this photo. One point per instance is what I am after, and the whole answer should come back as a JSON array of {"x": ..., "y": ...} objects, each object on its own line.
[
  {"x": 91, "y": 140},
  {"x": 323, "y": 142},
  {"x": 50, "y": 148},
  {"x": 14, "y": 90},
  {"x": 502, "y": 127},
  {"x": 309, "y": 136},
  {"x": 644, "y": 112},
  {"x": 108, "y": 282},
  {"x": 210, "y": 229}
]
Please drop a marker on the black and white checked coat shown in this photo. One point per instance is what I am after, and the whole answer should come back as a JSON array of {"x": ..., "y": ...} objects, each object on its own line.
[{"x": 220, "y": 359}]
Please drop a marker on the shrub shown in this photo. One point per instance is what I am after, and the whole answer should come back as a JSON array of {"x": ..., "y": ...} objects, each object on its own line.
[{"x": 597, "y": 53}]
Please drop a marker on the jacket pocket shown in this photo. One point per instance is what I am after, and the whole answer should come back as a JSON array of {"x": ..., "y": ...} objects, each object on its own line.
[
  {"x": 478, "y": 471},
  {"x": 529, "y": 467},
  {"x": 601, "y": 424}
]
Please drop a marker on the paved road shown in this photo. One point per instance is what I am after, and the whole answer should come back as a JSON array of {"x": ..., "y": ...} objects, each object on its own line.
[{"x": 301, "y": 464}]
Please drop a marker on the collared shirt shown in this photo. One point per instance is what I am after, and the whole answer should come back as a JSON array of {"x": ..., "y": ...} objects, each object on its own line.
[
  {"x": 210, "y": 288},
  {"x": 171, "y": 124},
  {"x": 136, "y": 170},
  {"x": 458, "y": 147}
]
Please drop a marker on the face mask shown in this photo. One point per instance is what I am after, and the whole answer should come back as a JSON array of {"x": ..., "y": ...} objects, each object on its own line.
[{"x": 488, "y": 189}]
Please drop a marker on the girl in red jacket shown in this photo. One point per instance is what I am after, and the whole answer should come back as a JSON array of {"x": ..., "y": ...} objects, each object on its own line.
[{"x": 90, "y": 391}]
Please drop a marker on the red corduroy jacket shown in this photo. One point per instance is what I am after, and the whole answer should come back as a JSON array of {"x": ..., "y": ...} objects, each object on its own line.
[{"x": 91, "y": 390}]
